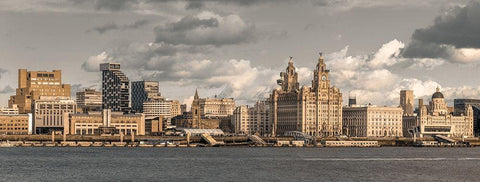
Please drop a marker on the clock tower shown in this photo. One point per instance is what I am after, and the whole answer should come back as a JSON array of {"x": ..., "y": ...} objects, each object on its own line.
[{"x": 320, "y": 75}]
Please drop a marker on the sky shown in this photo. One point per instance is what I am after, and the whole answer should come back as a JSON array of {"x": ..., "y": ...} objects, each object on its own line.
[{"x": 237, "y": 48}]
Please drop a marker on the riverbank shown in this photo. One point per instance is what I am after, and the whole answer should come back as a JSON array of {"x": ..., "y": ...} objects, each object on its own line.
[{"x": 216, "y": 141}]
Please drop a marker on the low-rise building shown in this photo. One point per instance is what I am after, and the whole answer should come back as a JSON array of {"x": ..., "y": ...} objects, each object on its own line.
[
  {"x": 48, "y": 113},
  {"x": 89, "y": 100},
  {"x": 436, "y": 119},
  {"x": 371, "y": 121},
  {"x": 105, "y": 122},
  {"x": 16, "y": 124}
]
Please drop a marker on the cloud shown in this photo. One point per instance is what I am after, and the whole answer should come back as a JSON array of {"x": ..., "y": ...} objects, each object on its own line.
[
  {"x": 112, "y": 26},
  {"x": 114, "y": 5},
  {"x": 2, "y": 71},
  {"x": 6, "y": 90},
  {"x": 206, "y": 28},
  {"x": 93, "y": 62},
  {"x": 453, "y": 36}
]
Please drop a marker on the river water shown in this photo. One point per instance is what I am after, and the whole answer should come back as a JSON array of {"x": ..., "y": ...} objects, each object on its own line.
[{"x": 239, "y": 164}]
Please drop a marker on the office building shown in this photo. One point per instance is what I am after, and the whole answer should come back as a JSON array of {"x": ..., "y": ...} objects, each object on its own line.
[
  {"x": 89, "y": 100},
  {"x": 371, "y": 121},
  {"x": 115, "y": 88},
  {"x": 143, "y": 91},
  {"x": 461, "y": 104},
  {"x": 34, "y": 84},
  {"x": 15, "y": 124},
  {"x": 104, "y": 122},
  {"x": 315, "y": 110},
  {"x": 406, "y": 102},
  {"x": 48, "y": 113},
  {"x": 252, "y": 120}
]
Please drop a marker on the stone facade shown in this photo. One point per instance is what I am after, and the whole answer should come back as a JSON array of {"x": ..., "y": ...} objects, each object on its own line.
[
  {"x": 89, "y": 100},
  {"x": 206, "y": 113},
  {"x": 435, "y": 119},
  {"x": 15, "y": 124},
  {"x": 459, "y": 108},
  {"x": 372, "y": 121},
  {"x": 406, "y": 102},
  {"x": 33, "y": 84},
  {"x": 48, "y": 113},
  {"x": 315, "y": 110},
  {"x": 92, "y": 123},
  {"x": 252, "y": 120}
]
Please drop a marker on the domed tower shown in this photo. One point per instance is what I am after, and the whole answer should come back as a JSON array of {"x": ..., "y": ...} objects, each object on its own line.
[
  {"x": 438, "y": 106},
  {"x": 289, "y": 81}
]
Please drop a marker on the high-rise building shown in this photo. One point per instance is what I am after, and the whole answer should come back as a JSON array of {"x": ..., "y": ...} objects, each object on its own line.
[
  {"x": 251, "y": 120},
  {"x": 370, "y": 121},
  {"x": 434, "y": 119},
  {"x": 315, "y": 110},
  {"x": 459, "y": 108},
  {"x": 406, "y": 102},
  {"x": 104, "y": 122},
  {"x": 115, "y": 88},
  {"x": 33, "y": 84},
  {"x": 48, "y": 113},
  {"x": 141, "y": 92},
  {"x": 89, "y": 100}
]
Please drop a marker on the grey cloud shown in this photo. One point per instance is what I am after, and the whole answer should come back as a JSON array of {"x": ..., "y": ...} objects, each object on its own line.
[
  {"x": 459, "y": 28},
  {"x": 114, "y": 5},
  {"x": 216, "y": 30},
  {"x": 112, "y": 26},
  {"x": 7, "y": 89},
  {"x": 2, "y": 71}
]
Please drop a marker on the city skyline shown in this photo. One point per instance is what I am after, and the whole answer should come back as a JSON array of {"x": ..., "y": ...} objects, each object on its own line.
[{"x": 237, "y": 48}]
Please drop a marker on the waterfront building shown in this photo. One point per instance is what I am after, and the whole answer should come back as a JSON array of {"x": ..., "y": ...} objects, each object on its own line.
[
  {"x": 459, "y": 107},
  {"x": 435, "y": 118},
  {"x": 48, "y": 113},
  {"x": 104, "y": 122},
  {"x": 207, "y": 113},
  {"x": 115, "y": 88},
  {"x": 252, "y": 120},
  {"x": 176, "y": 108},
  {"x": 157, "y": 106},
  {"x": 34, "y": 84},
  {"x": 8, "y": 110},
  {"x": 89, "y": 100},
  {"x": 15, "y": 124},
  {"x": 406, "y": 102},
  {"x": 154, "y": 125},
  {"x": 141, "y": 92},
  {"x": 371, "y": 121},
  {"x": 315, "y": 110}
]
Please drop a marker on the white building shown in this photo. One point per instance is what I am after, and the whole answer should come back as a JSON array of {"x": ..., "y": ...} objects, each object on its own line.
[{"x": 370, "y": 121}]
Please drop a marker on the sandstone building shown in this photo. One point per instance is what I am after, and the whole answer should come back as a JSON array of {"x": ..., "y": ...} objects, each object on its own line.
[
  {"x": 48, "y": 113},
  {"x": 436, "y": 119},
  {"x": 104, "y": 122},
  {"x": 252, "y": 120},
  {"x": 15, "y": 124},
  {"x": 315, "y": 110},
  {"x": 89, "y": 100},
  {"x": 33, "y": 84},
  {"x": 371, "y": 121}
]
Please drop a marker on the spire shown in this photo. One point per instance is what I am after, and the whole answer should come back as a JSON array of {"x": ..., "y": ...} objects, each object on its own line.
[
  {"x": 196, "y": 94},
  {"x": 320, "y": 58},
  {"x": 438, "y": 88}
]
